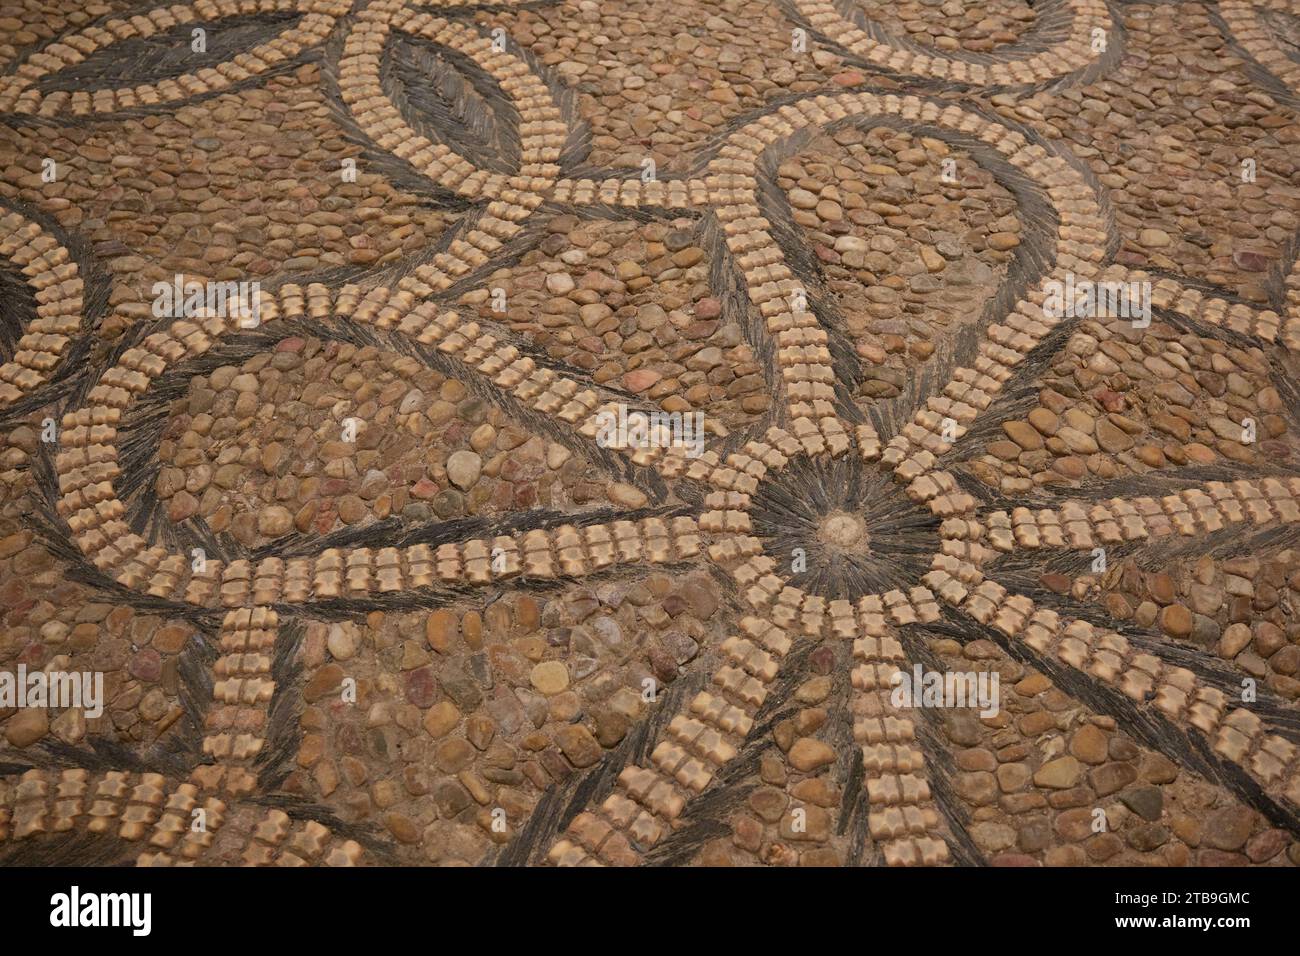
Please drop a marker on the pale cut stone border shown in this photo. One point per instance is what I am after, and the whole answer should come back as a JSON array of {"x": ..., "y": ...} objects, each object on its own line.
[
  {"x": 1248, "y": 28},
  {"x": 801, "y": 342},
  {"x": 57, "y": 286},
  {"x": 1237, "y": 734},
  {"x": 1291, "y": 324},
  {"x": 712, "y": 729},
  {"x": 1059, "y": 59},
  {"x": 86, "y": 466},
  {"x": 157, "y": 812},
  {"x": 704, "y": 736},
  {"x": 1084, "y": 525},
  {"x": 131, "y": 806},
  {"x": 510, "y": 199},
  {"x": 542, "y": 129}
]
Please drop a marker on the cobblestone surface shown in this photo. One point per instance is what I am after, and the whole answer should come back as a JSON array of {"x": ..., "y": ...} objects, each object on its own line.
[{"x": 366, "y": 576}]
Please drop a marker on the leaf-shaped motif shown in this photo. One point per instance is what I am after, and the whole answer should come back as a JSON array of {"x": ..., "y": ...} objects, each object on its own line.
[
  {"x": 168, "y": 53},
  {"x": 446, "y": 97},
  {"x": 149, "y": 59}
]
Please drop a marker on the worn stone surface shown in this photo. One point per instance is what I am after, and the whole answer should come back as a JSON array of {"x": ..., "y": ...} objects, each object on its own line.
[{"x": 969, "y": 334}]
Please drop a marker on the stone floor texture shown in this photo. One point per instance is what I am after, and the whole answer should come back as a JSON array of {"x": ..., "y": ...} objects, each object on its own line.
[{"x": 364, "y": 575}]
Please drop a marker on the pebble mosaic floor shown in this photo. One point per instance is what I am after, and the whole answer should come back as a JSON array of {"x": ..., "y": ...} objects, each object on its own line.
[{"x": 366, "y": 582}]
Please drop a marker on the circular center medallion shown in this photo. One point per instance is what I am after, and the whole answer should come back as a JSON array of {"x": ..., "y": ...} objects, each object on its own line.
[
  {"x": 841, "y": 528},
  {"x": 843, "y": 531}
]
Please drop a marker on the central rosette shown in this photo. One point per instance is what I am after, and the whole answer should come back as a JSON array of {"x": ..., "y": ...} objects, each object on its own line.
[{"x": 842, "y": 529}]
